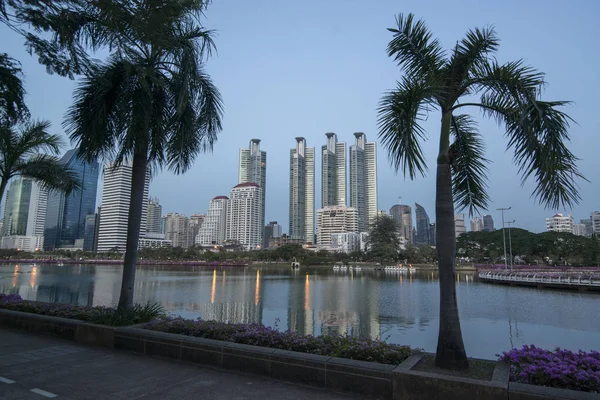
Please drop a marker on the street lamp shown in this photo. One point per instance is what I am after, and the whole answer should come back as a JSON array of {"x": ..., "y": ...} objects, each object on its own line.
[
  {"x": 504, "y": 235},
  {"x": 509, "y": 223}
]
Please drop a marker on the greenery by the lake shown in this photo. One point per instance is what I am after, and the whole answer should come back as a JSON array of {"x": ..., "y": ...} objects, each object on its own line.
[
  {"x": 546, "y": 248},
  {"x": 140, "y": 313}
]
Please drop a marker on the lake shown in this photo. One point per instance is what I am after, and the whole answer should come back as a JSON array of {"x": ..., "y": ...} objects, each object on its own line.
[{"x": 398, "y": 307}]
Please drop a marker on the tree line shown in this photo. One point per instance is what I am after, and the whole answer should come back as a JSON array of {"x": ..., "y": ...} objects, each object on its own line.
[{"x": 546, "y": 248}]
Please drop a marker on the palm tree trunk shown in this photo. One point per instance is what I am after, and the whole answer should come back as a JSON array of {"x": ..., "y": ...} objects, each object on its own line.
[
  {"x": 134, "y": 220},
  {"x": 450, "y": 349}
]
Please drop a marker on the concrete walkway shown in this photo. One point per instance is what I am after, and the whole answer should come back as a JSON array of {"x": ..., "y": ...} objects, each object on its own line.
[{"x": 39, "y": 367}]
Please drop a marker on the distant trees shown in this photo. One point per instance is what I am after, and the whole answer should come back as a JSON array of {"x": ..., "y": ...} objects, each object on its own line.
[
  {"x": 384, "y": 241},
  {"x": 558, "y": 247}
]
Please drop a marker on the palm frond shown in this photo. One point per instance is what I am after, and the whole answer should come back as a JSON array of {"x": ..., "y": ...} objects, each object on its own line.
[
  {"x": 35, "y": 138},
  {"x": 413, "y": 48},
  {"x": 469, "y": 165},
  {"x": 100, "y": 112},
  {"x": 538, "y": 133},
  {"x": 399, "y": 114},
  {"x": 471, "y": 55},
  {"x": 50, "y": 173}
]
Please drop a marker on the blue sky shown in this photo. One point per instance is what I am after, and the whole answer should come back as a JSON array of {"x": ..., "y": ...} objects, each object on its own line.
[{"x": 288, "y": 69}]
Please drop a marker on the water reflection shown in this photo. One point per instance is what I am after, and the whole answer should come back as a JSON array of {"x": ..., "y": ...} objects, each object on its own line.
[{"x": 400, "y": 307}]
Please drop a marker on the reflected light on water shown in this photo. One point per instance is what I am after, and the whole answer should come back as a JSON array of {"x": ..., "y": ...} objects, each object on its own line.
[
  {"x": 213, "y": 289},
  {"x": 33, "y": 278},
  {"x": 307, "y": 293},
  {"x": 257, "y": 291}
]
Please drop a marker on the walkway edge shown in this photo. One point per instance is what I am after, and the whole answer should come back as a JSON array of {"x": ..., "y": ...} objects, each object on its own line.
[{"x": 371, "y": 379}]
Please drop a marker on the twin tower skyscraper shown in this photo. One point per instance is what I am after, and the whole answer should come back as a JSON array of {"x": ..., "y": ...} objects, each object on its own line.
[{"x": 362, "y": 182}]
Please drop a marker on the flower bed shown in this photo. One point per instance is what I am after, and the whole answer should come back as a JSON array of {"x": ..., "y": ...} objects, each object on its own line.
[
  {"x": 559, "y": 368},
  {"x": 260, "y": 335},
  {"x": 97, "y": 315}
]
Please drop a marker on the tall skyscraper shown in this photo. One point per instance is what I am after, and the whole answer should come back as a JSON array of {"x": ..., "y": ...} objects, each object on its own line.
[
  {"x": 302, "y": 192},
  {"x": 116, "y": 194},
  {"x": 65, "y": 215},
  {"x": 253, "y": 168},
  {"x": 587, "y": 223},
  {"x": 363, "y": 180},
  {"x": 243, "y": 216},
  {"x": 272, "y": 230},
  {"x": 24, "y": 215},
  {"x": 488, "y": 223},
  {"x": 423, "y": 222},
  {"x": 89, "y": 232},
  {"x": 459, "y": 224},
  {"x": 333, "y": 172},
  {"x": 335, "y": 219},
  {"x": 154, "y": 215},
  {"x": 402, "y": 214},
  {"x": 212, "y": 231},
  {"x": 177, "y": 229},
  {"x": 476, "y": 224}
]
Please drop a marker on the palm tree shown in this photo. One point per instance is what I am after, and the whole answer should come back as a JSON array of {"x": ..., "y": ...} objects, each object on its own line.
[
  {"x": 151, "y": 104},
  {"x": 23, "y": 153},
  {"x": 469, "y": 77}
]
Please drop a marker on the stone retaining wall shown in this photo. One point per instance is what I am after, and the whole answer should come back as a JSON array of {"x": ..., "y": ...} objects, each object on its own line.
[{"x": 377, "y": 381}]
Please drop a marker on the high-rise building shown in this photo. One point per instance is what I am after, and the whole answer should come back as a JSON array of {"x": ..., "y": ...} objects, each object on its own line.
[
  {"x": 194, "y": 225},
  {"x": 212, "y": 230},
  {"x": 335, "y": 219},
  {"x": 65, "y": 215},
  {"x": 402, "y": 214},
  {"x": 459, "y": 224},
  {"x": 302, "y": 192},
  {"x": 333, "y": 172},
  {"x": 432, "y": 234},
  {"x": 363, "y": 180},
  {"x": 588, "y": 226},
  {"x": 560, "y": 223},
  {"x": 595, "y": 220},
  {"x": 253, "y": 168},
  {"x": 154, "y": 216},
  {"x": 177, "y": 229},
  {"x": 423, "y": 222},
  {"x": 116, "y": 195},
  {"x": 272, "y": 231},
  {"x": 488, "y": 223},
  {"x": 89, "y": 232},
  {"x": 24, "y": 215},
  {"x": 476, "y": 224},
  {"x": 579, "y": 229},
  {"x": 243, "y": 216}
]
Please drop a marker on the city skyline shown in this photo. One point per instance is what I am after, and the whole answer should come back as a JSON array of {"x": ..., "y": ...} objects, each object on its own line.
[{"x": 319, "y": 73}]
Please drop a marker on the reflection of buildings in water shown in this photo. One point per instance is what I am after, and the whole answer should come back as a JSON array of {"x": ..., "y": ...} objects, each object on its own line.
[
  {"x": 80, "y": 293},
  {"x": 300, "y": 315},
  {"x": 241, "y": 302}
]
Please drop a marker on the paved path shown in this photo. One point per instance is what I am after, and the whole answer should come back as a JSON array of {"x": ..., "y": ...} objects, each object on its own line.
[{"x": 38, "y": 367}]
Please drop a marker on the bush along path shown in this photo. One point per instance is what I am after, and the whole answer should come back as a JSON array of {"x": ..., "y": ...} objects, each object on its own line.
[
  {"x": 260, "y": 335},
  {"x": 559, "y": 368},
  {"x": 98, "y": 315}
]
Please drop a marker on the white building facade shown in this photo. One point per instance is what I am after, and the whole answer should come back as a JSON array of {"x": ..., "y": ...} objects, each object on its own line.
[
  {"x": 244, "y": 216},
  {"x": 476, "y": 224},
  {"x": 560, "y": 223},
  {"x": 595, "y": 219},
  {"x": 363, "y": 180},
  {"x": 335, "y": 219},
  {"x": 176, "y": 229},
  {"x": 24, "y": 216},
  {"x": 253, "y": 169},
  {"x": 212, "y": 230},
  {"x": 114, "y": 212}
]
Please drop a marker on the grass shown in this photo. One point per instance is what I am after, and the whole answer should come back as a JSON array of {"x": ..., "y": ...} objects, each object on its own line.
[{"x": 478, "y": 369}]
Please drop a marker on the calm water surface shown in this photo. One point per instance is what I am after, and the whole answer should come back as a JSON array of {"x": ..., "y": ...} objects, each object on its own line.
[{"x": 402, "y": 308}]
